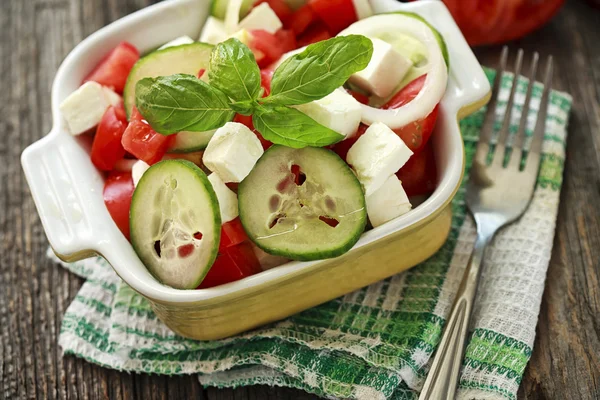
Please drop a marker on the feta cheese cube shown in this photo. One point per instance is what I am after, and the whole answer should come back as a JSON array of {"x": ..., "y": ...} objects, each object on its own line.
[
  {"x": 262, "y": 17},
  {"x": 376, "y": 155},
  {"x": 84, "y": 108},
  {"x": 228, "y": 201},
  {"x": 232, "y": 152},
  {"x": 384, "y": 72},
  {"x": 243, "y": 36},
  {"x": 177, "y": 42},
  {"x": 387, "y": 202},
  {"x": 213, "y": 31},
  {"x": 338, "y": 111},
  {"x": 113, "y": 97},
  {"x": 137, "y": 170},
  {"x": 363, "y": 8}
]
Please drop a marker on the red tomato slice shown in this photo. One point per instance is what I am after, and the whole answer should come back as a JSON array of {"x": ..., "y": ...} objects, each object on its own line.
[
  {"x": 143, "y": 142},
  {"x": 301, "y": 19},
  {"x": 271, "y": 47},
  {"x": 407, "y": 94},
  {"x": 113, "y": 70},
  {"x": 107, "y": 148},
  {"x": 361, "y": 98},
  {"x": 316, "y": 33},
  {"x": 417, "y": 133},
  {"x": 336, "y": 14},
  {"x": 232, "y": 233},
  {"x": 235, "y": 263},
  {"x": 419, "y": 174},
  {"x": 247, "y": 120},
  {"x": 118, "y": 190},
  {"x": 266, "y": 75},
  {"x": 280, "y": 7}
]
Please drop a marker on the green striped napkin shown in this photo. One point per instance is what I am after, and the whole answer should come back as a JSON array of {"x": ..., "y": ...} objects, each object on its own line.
[{"x": 375, "y": 343}]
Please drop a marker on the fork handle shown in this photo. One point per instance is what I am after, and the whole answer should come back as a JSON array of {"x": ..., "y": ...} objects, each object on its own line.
[{"x": 442, "y": 379}]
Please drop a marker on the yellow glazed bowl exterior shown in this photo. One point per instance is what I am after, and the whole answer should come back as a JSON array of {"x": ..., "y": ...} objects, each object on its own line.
[{"x": 325, "y": 281}]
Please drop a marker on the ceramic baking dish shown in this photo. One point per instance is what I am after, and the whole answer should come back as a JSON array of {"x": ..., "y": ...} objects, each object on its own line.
[{"x": 67, "y": 191}]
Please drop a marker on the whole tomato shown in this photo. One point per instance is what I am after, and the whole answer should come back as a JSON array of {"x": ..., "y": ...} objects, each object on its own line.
[{"x": 498, "y": 21}]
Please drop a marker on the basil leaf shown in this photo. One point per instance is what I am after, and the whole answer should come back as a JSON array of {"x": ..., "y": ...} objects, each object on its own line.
[
  {"x": 319, "y": 70},
  {"x": 292, "y": 128},
  {"x": 181, "y": 102},
  {"x": 244, "y": 107},
  {"x": 233, "y": 70}
]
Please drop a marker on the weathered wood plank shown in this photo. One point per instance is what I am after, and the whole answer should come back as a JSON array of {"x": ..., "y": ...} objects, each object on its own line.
[{"x": 35, "y": 36}]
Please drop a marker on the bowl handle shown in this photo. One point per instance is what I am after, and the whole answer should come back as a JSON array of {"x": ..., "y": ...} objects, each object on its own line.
[
  {"x": 468, "y": 87},
  {"x": 53, "y": 168}
]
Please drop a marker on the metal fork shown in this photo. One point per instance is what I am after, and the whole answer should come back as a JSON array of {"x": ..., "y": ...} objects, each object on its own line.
[{"x": 497, "y": 195}]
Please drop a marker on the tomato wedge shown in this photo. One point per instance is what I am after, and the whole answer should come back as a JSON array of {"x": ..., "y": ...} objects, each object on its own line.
[
  {"x": 361, "y": 98},
  {"x": 301, "y": 19},
  {"x": 266, "y": 75},
  {"x": 417, "y": 133},
  {"x": 113, "y": 70},
  {"x": 233, "y": 264},
  {"x": 232, "y": 234},
  {"x": 117, "y": 193},
  {"x": 270, "y": 47},
  {"x": 143, "y": 142},
  {"x": 419, "y": 174},
  {"x": 315, "y": 33},
  {"x": 280, "y": 7},
  {"x": 336, "y": 14},
  {"x": 107, "y": 148}
]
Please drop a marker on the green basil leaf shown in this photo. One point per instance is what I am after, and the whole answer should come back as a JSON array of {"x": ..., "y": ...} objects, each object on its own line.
[
  {"x": 319, "y": 70},
  {"x": 292, "y": 128},
  {"x": 244, "y": 107},
  {"x": 233, "y": 70},
  {"x": 181, "y": 102}
]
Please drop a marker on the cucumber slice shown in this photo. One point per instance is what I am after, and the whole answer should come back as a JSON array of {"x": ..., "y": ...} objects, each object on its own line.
[
  {"x": 218, "y": 8},
  {"x": 188, "y": 142},
  {"x": 183, "y": 59},
  {"x": 303, "y": 204},
  {"x": 175, "y": 223}
]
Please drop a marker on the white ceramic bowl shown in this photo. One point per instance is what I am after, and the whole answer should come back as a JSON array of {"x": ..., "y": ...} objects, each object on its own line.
[{"x": 67, "y": 189}]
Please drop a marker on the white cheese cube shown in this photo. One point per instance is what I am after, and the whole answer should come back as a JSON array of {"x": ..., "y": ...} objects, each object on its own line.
[
  {"x": 387, "y": 202},
  {"x": 228, "y": 201},
  {"x": 338, "y": 111},
  {"x": 213, "y": 31},
  {"x": 84, "y": 108},
  {"x": 243, "y": 36},
  {"x": 376, "y": 155},
  {"x": 262, "y": 17},
  {"x": 113, "y": 97},
  {"x": 177, "y": 42},
  {"x": 384, "y": 72},
  {"x": 232, "y": 152},
  {"x": 137, "y": 170},
  {"x": 363, "y": 8}
]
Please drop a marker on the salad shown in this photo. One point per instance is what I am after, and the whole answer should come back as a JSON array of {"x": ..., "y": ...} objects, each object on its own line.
[{"x": 288, "y": 129}]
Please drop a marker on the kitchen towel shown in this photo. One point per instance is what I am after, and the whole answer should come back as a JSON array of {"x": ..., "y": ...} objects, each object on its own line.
[{"x": 375, "y": 343}]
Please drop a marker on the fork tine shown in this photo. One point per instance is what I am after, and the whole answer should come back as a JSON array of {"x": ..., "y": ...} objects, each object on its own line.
[
  {"x": 487, "y": 128},
  {"x": 535, "y": 150},
  {"x": 515, "y": 157},
  {"x": 504, "y": 131}
]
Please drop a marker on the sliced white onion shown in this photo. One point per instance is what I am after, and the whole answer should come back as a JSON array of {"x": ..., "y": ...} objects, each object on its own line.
[
  {"x": 437, "y": 75},
  {"x": 232, "y": 15}
]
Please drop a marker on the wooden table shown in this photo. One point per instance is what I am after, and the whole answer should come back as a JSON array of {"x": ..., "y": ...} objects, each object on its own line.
[{"x": 35, "y": 36}]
